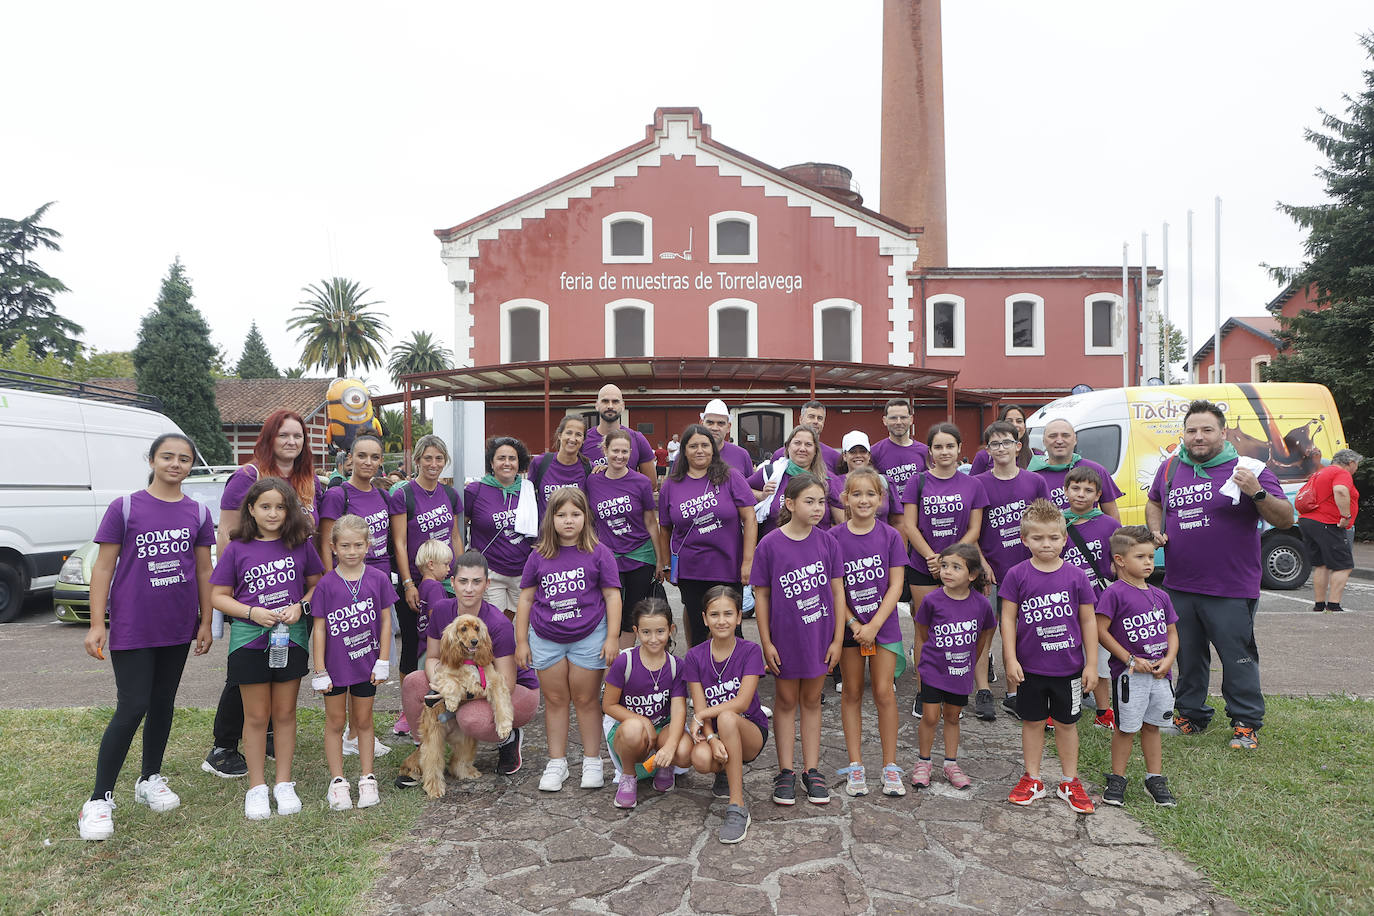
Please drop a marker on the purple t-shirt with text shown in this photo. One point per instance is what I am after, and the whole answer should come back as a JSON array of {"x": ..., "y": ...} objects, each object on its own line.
[
  {"x": 433, "y": 518},
  {"x": 640, "y": 451},
  {"x": 372, "y": 508},
  {"x": 1049, "y": 637},
  {"x": 618, "y": 506},
  {"x": 834, "y": 498},
  {"x": 707, "y": 535},
  {"x": 568, "y": 602},
  {"x": 1097, "y": 537},
  {"x": 353, "y": 623},
  {"x": 945, "y": 509},
  {"x": 721, "y": 681},
  {"x": 1140, "y": 620},
  {"x": 242, "y": 480},
  {"x": 898, "y": 463},
  {"x": 557, "y": 474},
  {"x": 644, "y": 692},
  {"x": 265, "y": 574},
  {"x": 1055, "y": 480},
  {"x": 1000, "y": 539},
  {"x": 491, "y": 516},
  {"x": 954, "y": 625},
  {"x": 737, "y": 457},
  {"x": 154, "y": 599},
  {"x": 444, "y": 611},
  {"x": 801, "y": 606},
  {"x": 431, "y": 593},
  {"x": 867, "y": 562}
]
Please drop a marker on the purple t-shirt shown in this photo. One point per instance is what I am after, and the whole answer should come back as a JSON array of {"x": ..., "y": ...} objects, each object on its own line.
[
  {"x": 353, "y": 623},
  {"x": 834, "y": 498},
  {"x": 898, "y": 463},
  {"x": 1049, "y": 637},
  {"x": 640, "y": 449},
  {"x": 1000, "y": 539},
  {"x": 568, "y": 603},
  {"x": 618, "y": 506},
  {"x": 868, "y": 560},
  {"x": 1140, "y": 620},
  {"x": 644, "y": 692},
  {"x": 721, "y": 681},
  {"x": 491, "y": 516},
  {"x": 1055, "y": 480},
  {"x": 154, "y": 599},
  {"x": 801, "y": 606},
  {"x": 265, "y": 574},
  {"x": 1214, "y": 545},
  {"x": 707, "y": 535},
  {"x": 946, "y": 505},
  {"x": 372, "y": 508},
  {"x": 431, "y": 593},
  {"x": 1097, "y": 537},
  {"x": 242, "y": 480},
  {"x": 557, "y": 474},
  {"x": 433, "y": 518},
  {"x": 831, "y": 457},
  {"x": 444, "y": 611},
  {"x": 737, "y": 457},
  {"x": 947, "y": 656}
]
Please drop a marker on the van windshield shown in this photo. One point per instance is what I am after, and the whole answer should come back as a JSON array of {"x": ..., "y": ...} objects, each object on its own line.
[{"x": 1101, "y": 444}]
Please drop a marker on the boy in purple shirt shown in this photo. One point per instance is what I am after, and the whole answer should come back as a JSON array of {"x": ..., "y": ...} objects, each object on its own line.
[
  {"x": 1136, "y": 625},
  {"x": 1090, "y": 531},
  {"x": 1047, "y": 606}
]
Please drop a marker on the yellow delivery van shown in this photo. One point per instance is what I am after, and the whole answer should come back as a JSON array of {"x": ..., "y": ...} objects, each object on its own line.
[{"x": 1293, "y": 428}]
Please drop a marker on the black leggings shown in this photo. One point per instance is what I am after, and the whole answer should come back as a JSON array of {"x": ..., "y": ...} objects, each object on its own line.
[
  {"x": 146, "y": 682},
  {"x": 693, "y": 594},
  {"x": 636, "y": 584},
  {"x": 409, "y": 623}
]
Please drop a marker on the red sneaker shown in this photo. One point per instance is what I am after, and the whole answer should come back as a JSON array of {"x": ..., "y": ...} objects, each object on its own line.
[
  {"x": 1105, "y": 719},
  {"x": 1072, "y": 791},
  {"x": 1026, "y": 791}
]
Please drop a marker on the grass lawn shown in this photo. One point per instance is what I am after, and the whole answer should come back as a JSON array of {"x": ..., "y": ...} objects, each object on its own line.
[
  {"x": 1288, "y": 828},
  {"x": 203, "y": 856}
]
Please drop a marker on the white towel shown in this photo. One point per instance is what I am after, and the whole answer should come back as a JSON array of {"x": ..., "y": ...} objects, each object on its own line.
[
  {"x": 527, "y": 511},
  {"x": 1229, "y": 488},
  {"x": 779, "y": 468}
]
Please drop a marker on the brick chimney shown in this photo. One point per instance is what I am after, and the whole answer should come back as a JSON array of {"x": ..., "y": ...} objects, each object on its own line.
[{"x": 913, "y": 130}]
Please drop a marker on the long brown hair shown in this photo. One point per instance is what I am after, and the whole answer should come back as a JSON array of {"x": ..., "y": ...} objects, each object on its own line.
[
  {"x": 547, "y": 545},
  {"x": 302, "y": 476},
  {"x": 295, "y": 530}
]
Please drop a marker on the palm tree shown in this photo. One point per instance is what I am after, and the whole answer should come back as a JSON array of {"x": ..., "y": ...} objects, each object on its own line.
[
  {"x": 421, "y": 353},
  {"x": 337, "y": 328}
]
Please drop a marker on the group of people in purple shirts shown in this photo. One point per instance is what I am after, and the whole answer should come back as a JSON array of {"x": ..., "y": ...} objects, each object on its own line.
[{"x": 565, "y": 557}]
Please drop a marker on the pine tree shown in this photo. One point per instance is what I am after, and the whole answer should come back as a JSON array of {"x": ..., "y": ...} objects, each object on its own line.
[
  {"x": 173, "y": 360},
  {"x": 255, "y": 362},
  {"x": 26, "y": 290}
]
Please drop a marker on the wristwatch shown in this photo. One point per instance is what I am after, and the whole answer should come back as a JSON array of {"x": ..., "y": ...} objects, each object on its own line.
[
  {"x": 305, "y": 607},
  {"x": 1260, "y": 496}
]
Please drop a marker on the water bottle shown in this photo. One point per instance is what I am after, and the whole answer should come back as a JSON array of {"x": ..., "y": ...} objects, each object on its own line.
[{"x": 278, "y": 641}]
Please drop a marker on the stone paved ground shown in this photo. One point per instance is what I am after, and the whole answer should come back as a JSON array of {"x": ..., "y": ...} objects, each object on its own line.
[{"x": 498, "y": 845}]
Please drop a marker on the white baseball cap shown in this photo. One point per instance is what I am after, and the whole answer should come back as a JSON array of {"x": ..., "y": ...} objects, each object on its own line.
[
  {"x": 717, "y": 407},
  {"x": 854, "y": 439}
]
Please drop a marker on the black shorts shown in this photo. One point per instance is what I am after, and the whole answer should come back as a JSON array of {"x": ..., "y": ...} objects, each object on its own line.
[
  {"x": 1327, "y": 545},
  {"x": 1059, "y": 697},
  {"x": 929, "y": 694},
  {"x": 249, "y": 666},
  {"x": 365, "y": 689},
  {"x": 919, "y": 577}
]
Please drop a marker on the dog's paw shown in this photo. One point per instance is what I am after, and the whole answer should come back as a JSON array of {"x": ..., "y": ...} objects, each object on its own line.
[
  {"x": 503, "y": 730},
  {"x": 468, "y": 772}
]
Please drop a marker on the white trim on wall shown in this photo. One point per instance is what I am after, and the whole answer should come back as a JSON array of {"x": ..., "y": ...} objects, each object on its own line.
[
  {"x": 1037, "y": 347},
  {"x": 646, "y": 256},
  {"x": 959, "y": 324},
  {"x": 619, "y": 304},
  {"x": 510, "y": 306},
  {"x": 855, "y": 327},
  {"x": 713, "y": 325},
  {"x": 753, "y": 221},
  {"x": 1118, "y": 338}
]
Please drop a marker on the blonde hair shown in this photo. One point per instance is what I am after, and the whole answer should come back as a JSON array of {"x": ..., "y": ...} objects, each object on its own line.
[
  {"x": 817, "y": 468},
  {"x": 349, "y": 522},
  {"x": 1044, "y": 513},
  {"x": 879, "y": 480},
  {"x": 547, "y": 545},
  {"x": 433, "y": 551}
]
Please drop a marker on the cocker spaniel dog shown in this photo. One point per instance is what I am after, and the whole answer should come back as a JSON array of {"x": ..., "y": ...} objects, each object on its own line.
[{"x": 465, "y": 671}]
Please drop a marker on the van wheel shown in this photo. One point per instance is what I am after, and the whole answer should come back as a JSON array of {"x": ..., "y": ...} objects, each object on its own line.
[
  {"x": 11, "y": 592},
  {"x": 1284, "y": 561}
]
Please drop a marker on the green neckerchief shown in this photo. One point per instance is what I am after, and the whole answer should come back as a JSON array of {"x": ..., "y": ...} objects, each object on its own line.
[
  {"x": 1227, "y": 453},
  {"x": 897, "y": 649},
  {"x": 1040, "y": 463},
  {"x": 1074, "y": 518},
  {"x": 644, "y": 553},
  {"x": 794, "y": 469},
  {"x": 512, "y": 490},
  {"x": 242, "y": 632}
]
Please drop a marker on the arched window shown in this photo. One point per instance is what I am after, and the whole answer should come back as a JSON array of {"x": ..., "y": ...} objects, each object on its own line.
[
  {"x": 629, "y": 328},
  {"x": 734, "y": 237},
  {"x": 627, "y": 238},
  {"x": 945, "y": 325},
  {"x": 524, "y": 331},
  {"x": 1102, "y": 331},
  {"x": 1025, "y": 325},
  {"x": 733, "y": 329},
  {"x": 836, "y": 330}
]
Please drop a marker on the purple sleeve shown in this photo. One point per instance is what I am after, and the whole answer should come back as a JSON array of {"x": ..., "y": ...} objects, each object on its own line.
[
  {"x": 759, "y": 573},
  {"x": 205, "y": 537},
  {"x": 1042, "y": 487},
  {"x": 753, "y": 660},
  {"x": 441, "y": 615},
  {"x": 333, "y": 504},
  {"x": 643, "y": 450},
  {"x": 646, "y": 492},
  {"x": 679, "y": 687},
  {"x": 989, "y": 621},
  {"x": 896, "y": 551},
  {"x": 470, "y": 497},
  {"x": 1106, "y": 605},
  {"x": 529, "y": 577},
  {"x": 396, "y": 499},
  {"x": 231, "y": 500},
  {"x": 1010, "y": 586},
  {"x": 1157, "y": 485},
  {"x": 980, "y": 496},
  {"x": 615, "y": 675},
  {"x": 981, "y": 462},
  {"x": 756, "y": 479},
  {"x": 1084, "y": 587},
  {"x": 908, "y": 494},
  {"x": 608, "y": 573},
  {"x": 1271, "y": 484},
  {"x": 431, "y": 592},
  {"x": 691, "y": 671},
  {"x": 833, "y": 561},
  {"x": 314, "y": 566},
  {"x": 111, "y": 530},
  {"x": 502, "y": 638},
  {"x": 740, "y": 490},
  {"x": 1110, "y": 491},
  {"x": 224, "y": 572},
  {"x": 836, "y": 495},
  {"x": 924, "y": 612},
  {"x": 381, "y": 586},
  {"x": 1170, "y": 615}
]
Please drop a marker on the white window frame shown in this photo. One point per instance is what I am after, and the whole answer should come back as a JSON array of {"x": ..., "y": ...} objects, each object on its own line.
[
  {"x": 1214, "y": 376},
  {"x": 753, "y": 256},
  {"x": 620, "y": 304},
  {"x": 856, "y": 352},
  {"x": 627, "y": 216},
  {"x": 1118, "y": 330},
  {"x": 713, "y": 325},
  {"x": 1037, "y": 325},
  {"x": 542, "y": 308},
  {"x": 1256, "y": 362},
  {"x": 959, "y": 325}
]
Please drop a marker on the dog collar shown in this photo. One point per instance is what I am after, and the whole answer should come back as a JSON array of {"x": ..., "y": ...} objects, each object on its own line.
[{"x": 481, "y": 672}]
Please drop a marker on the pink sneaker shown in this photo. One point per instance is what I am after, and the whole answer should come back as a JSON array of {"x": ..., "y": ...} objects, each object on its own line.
[
  {"x": 663, "y": 778},
  {"x": 920, "y": 773},
  {"x": 627, "y": 795},
  {"x": 402, "y": 727},
  {"x": 956, "y": 777}
]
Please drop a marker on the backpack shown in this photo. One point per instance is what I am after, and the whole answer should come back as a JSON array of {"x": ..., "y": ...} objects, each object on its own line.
[
  {"x": 1306, "y": 501},
  {"x": 410, "y": 498},
  {"x": 1098, "y": 579},
  {"x": 539, "y": 468}
]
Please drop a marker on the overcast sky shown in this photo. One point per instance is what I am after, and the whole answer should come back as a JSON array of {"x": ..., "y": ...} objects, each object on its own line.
[{"x": 272, "y": 145}]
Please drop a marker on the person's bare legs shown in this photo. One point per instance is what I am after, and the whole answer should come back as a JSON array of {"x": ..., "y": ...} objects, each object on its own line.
[
  {"x": 1336, "y": 588},
  {"x": 1066, "y": 743},
  {"x": 284, "y": 697},
  {"x": 554, "y": 685},
  {"x": 811, "y": 721},
  {"x": 785, "y": 693},
  {"x": 881, "y": 669},
  {"x": 851, "y": 701},
  {"x": 585, "y": 684},
  {"x": 1321, "y": 580}
]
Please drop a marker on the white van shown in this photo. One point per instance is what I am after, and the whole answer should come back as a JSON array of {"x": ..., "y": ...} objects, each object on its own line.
[{"x": 63, "y": 460}]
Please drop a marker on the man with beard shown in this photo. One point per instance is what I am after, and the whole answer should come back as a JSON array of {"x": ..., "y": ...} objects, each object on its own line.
[
  {"x": 716, "y": 418},
  {"x": 1204, "y": 508},
  {"x": 899, "y": 455},
  {"x": 610, "y": 407}
]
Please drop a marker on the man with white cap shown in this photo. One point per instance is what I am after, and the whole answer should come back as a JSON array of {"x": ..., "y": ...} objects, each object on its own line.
[{"x": 716, "y": 418}]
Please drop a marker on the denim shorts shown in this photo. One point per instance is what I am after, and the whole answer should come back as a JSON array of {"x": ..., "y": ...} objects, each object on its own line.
[{"x": 585, "y": 653}]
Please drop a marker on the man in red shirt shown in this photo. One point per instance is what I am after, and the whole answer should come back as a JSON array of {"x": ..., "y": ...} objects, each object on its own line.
[{"x": 1325, "y": 530}]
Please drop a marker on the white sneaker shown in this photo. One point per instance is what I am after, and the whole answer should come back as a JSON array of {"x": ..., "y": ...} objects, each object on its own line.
[
  {"x": 256, "y": 806},
  {"x": 378, "y": 748},
  {"x": 350, "y": 746},
  {"x": 288, "y": 802},
  {"x": 154, "y": 793},
  {"x": 555, "y": 774},
  {"x": 367, "y": 791},
  {"x": 767, "y": 710},
  {"x": 340, "y": 796},
  {"x": 97, "y": 819},
  {"x": 593, "y": 776}
]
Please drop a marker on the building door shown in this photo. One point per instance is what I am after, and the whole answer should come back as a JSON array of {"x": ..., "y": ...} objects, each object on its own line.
[{"x": 760, "y": 433}]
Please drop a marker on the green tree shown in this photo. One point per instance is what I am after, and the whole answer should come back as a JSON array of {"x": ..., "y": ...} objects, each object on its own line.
[
  {"x": 337, "y": 328},
  {"x": 294, "y": 372},
  {"x": 112, "y": 364},
  {"x": 1332, "y": 345},
  {"x": 421, "y": 353},
  {"x": 26, "y": 290},
  {"x": 173, "y": 360},
  {"x": 394, "y": 430},
  {"x": 255, "y": 362},
  {"x": 1176, "y": 352}
]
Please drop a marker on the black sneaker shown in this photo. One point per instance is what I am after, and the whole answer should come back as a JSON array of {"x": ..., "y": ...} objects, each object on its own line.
[
  {"x": 720, "y": 787},
  {"x": 225, "y": 762},
  {"x": 817, "y": 791},
  {"x": 983, "y": 706},
  {"x": 405, "y": 781},
  {"x": 1115, "y": 791},
  {"x": 508, "y": 759},
  {"x": 992, "y": 672},
  {"x": 1334, "y": 608},
  {"x": 1158, "y": 787},
  {"x": 785, "y": 787},
  {"x": 1009, "y": 704}
]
